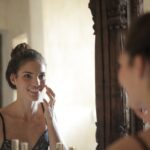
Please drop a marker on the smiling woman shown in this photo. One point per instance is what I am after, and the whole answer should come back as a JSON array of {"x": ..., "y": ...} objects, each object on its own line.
[{"x": 28, "y": 119}]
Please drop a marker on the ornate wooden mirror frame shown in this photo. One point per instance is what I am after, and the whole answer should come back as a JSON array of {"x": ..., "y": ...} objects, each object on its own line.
[{"x": 111, "y": 20}]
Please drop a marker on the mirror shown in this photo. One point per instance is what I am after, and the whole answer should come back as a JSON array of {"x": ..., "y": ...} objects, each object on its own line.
[
  {"x": 62, "y": 32},
  {"x": 111, "y": 20}
]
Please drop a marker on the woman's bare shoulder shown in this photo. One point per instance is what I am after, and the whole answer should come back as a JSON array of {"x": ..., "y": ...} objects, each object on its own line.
[
  {"x": 7, "y": 109},
  {"x": 126, "y": 143}
]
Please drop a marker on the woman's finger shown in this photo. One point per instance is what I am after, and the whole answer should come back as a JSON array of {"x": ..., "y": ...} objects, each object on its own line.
[
  {"x": 51, "y": 96},
  {"x": 45, "y": 103},
  {"x": 48, "y": 109},
  {"x": 50, "y": 91},
  {"x": 142, "y": 113}
]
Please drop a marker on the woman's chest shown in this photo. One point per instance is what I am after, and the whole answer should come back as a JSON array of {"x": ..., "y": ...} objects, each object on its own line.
[{"x": 25, "y": 131}]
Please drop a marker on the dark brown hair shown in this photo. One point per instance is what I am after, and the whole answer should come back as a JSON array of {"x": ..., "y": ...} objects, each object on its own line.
[
  {"x": 138, "y": 38},
  {"x": 20, "y": 55}
]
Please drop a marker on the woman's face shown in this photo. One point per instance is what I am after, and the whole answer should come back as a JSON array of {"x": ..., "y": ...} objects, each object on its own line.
[
  {"x": 129, "y": 79},
  {"x": 30, "y": 80}
]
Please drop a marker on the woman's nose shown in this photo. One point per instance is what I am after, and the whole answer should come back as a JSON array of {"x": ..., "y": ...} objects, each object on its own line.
[{"x": 36, "y": 82}]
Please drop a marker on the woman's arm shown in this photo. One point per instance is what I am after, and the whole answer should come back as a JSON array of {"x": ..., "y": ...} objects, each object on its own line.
[{"x": 53, "y": 133}]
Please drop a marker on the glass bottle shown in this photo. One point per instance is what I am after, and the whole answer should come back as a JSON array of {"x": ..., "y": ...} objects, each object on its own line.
[
  {"x": 14, "y": 144},
  {"x": 72, "y": 148},
  {"x": 59, "y": 146},
  {"x": 24, "y": 146}
]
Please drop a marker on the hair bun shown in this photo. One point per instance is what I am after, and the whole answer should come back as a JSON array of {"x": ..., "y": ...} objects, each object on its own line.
[{"x": 19, "y": 49}]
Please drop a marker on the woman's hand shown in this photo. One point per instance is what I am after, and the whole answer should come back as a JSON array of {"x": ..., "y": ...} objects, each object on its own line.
[
  {"x": 54, "y": 136},
  {"x": 142, "y": 113},
  {"x": 49, "y": 103}
]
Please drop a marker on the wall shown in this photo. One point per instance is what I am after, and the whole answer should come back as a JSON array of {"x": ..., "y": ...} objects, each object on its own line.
[
  {"x": 36, "y": 25},
  {"x": 146, "y": 5},
  {"x": 3, "y": 24},
  {"x": 3, "y": 28},
  {"x": 16, "y": 21}
]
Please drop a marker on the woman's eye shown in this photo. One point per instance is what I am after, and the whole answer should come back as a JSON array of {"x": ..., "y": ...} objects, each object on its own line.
[
  {"x": 27, "y": 76},
  {"x": 42, "y": 76}
]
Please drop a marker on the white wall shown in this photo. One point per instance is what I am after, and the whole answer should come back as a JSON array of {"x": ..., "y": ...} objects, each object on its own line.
[
  {"x": 14, "y": 15},
  {"x": 3, "y": 24},
  {"x": 3, "y": 28},
  {"x": 69, "y": 51},
  {"x": 36, "y": 25},
  {"x": 146, "y": 5}
]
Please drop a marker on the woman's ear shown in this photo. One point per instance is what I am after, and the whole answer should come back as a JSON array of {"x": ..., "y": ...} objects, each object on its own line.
[
  {"x": 139, "y": 64},
  {"x": 13, "y": 78}
]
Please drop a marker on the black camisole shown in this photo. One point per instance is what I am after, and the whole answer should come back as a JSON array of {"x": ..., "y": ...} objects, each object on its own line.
[{"x": 41, "y": 144}]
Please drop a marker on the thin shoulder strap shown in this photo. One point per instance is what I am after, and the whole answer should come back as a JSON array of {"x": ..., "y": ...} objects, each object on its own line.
[
  {"x": 3, "y": 125},
  {"x": 142, "y": 142},
  {"x": 42, "y": 105}
]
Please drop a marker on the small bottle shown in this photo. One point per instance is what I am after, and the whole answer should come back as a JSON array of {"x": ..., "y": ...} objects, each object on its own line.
[
  {"x": 14, "y": 144},
  {"x": 24, "y": 146},
  {"x": 59, "y": 146}
]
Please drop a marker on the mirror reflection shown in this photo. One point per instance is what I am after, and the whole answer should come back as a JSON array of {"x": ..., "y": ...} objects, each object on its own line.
[{"x": 62, "y": 32}]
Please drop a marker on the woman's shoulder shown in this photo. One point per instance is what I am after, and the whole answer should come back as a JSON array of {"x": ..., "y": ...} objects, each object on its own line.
[
  {"x": 132, "y": 142},
  {"x": 4, "y": 115},
  {"x": 7, "y": 109}
]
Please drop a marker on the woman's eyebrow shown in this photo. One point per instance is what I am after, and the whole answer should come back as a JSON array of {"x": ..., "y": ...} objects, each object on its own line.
[
  {"x": 32, "y": 72},
  {"x": 28, "y": 72},
  {"x": 42, "y": 73}
]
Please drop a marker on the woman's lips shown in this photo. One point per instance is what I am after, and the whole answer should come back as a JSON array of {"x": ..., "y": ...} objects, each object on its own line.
[{"x": 34, "y": 92}]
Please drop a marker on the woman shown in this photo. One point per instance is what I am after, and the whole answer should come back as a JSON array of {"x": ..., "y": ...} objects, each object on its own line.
[
  {"x": 134, "y": 76},
  {"x": 28, "y": 119}
]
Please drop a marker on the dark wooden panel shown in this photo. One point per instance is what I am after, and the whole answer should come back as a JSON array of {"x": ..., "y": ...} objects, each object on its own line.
[{"x": 111, "y": 20}]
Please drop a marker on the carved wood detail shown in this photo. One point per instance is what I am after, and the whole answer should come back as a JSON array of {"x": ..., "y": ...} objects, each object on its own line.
[
  {"x": 117, "y": 14},
  {"x": 92, "y": 6},
  {"x": 111, "y": 19}
]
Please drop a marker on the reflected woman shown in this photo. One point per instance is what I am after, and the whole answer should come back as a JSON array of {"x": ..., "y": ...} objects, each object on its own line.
[
  {"x": 28, "y": 119},
  {"x": 134, "y": 76}
]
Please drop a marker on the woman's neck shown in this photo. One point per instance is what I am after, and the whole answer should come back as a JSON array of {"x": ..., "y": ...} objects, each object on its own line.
[{"x": 26, "y": 110}]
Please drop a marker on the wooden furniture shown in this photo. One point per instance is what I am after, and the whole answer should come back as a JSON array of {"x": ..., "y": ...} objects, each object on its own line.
[{"x": 111, "y": 20}]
